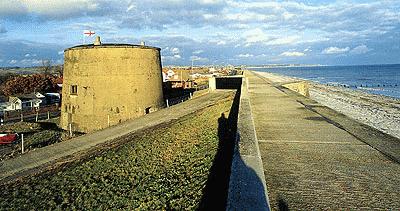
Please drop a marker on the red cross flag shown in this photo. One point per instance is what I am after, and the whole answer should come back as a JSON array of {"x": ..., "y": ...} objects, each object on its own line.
[{"x": 88, "y": 33}]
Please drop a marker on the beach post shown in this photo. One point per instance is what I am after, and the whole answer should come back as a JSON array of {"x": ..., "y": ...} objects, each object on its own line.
[
  {"x": 22, "y": 143},
  {"x": 70, "y": 130},
  {"x": 37, "y": 116}
]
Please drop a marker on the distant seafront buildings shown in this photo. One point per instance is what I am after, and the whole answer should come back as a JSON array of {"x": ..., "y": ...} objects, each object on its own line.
[{"x": 284, "y": 65}]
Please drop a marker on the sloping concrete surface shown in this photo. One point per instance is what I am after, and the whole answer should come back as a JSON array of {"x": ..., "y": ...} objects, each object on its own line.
[
  {"x": 311, "y": 164},
  {"x": 247, "y": 189}
]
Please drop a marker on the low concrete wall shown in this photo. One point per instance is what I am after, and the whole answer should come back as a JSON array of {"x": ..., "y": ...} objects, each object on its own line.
[
  {"x": 247, "y": 187},
  {"x": 301, "y": 87}
]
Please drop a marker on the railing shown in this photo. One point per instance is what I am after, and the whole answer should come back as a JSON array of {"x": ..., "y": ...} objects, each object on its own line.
[
  {"x": 176, "y": 100},
  {"x": 33, "y": 114},
  {"x": 198, "y": 88}
]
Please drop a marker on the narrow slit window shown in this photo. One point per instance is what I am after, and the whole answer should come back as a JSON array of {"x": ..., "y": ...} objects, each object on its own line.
[
  {"x": 74, "y": 89},
  {"x": 147, "y": 110}
]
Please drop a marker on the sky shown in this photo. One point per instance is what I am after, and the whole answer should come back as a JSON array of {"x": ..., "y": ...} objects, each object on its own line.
[{"x": 207, "y": 32}]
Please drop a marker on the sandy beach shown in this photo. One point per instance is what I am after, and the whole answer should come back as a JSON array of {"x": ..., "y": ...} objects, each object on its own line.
[{"x": 380, "y": 112}]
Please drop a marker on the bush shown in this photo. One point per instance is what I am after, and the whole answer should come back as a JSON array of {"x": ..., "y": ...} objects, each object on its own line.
[
  {"x": 28, "y": 84},
  {"x": 21, "y": 127},
  {"x": 42, "y": 138}
]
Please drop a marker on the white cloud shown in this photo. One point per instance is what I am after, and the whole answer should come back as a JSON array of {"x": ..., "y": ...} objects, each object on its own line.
[
  {"x": 52, "y": 8},
  {"x": 221, "y": 42},
  {"x": 293, "y": 54},
  {"x": 225, "y": 27},
  {"x": 361, "y": 49},
  {"x": 284, "y": 40},
  {"x": 255, "y": 35},
  {"x": 245, "y": 55},
  {"x": 13, "y": 61},
  {"x": 173, "y": 58},
  {"x": 198, "y": 52},
  {"x": 335, "y": 50},
  {"x": 29, "y": 62},
  {"x": 198, "y": 58},
  {"x": 175, "y": 50}
]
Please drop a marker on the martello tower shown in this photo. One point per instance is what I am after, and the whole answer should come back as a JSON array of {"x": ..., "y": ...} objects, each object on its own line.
[{"x": 105, "y": 84}]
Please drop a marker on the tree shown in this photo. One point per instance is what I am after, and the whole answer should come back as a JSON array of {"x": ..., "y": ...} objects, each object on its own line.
[
  {"x": 29, "y": 84},
  {"x": 46, "y": 66},
  {"x": 59, "y": 69}
]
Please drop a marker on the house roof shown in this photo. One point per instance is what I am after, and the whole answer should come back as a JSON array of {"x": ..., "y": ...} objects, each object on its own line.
[{"x": 29, "y": 96}]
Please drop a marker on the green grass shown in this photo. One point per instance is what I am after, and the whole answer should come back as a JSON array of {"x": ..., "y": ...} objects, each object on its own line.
[
  {"x": 36, "y": 135},
  {"x": 160, "y": 169},
  {"x": 42, "y": 138}
]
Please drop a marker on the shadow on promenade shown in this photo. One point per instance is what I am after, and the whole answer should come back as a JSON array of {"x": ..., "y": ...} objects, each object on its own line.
[
  {"x": 216, "y": 191},
  {"x": 215, "y": 194}
]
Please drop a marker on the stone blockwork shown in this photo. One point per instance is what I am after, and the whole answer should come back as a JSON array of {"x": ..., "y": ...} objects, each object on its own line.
[{"x": 107, "y": 84}]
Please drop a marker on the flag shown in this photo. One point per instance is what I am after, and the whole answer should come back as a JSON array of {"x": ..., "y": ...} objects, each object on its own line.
[{"x": 88, "y": 33}]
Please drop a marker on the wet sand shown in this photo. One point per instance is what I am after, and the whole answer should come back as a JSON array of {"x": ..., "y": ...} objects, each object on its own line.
[{"x": 380, "y": 112}]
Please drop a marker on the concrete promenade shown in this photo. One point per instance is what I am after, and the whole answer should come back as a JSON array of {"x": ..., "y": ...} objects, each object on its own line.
[
  {"x": 60, "y": 152},
  {"x": 311, "y": 163}
]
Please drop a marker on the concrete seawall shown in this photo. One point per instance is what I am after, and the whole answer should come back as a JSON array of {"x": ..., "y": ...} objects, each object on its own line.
[{"x": 247, "y": 188}]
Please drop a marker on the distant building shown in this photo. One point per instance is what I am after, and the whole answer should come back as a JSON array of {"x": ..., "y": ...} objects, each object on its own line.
[{"x": 25, "y": 101}]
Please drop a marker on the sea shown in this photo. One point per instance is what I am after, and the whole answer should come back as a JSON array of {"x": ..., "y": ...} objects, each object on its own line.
[{"x": 375, "y": 79}]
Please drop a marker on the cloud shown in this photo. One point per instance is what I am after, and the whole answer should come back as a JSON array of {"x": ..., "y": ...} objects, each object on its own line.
[
  {"x": 57, "y": 9},
  {"x": 173, "y": 58},
  {"x": 361, "y": 49},
  {"x": 2, "y": 29},
  {"x": 245, "y": 55},
  {"x": 292, "y": 54},
  {"x": 10, "y": 9},
  {"x": 198, "y": 52},
  {"x": 255, "y": 35},
  {"x": 175, "y": 50},
  {"x": 335, "y": 50},
  {"x": 199, "y": 59},
  {"x": 27, "y": 53},
  {"x": 213, "y": 29}
]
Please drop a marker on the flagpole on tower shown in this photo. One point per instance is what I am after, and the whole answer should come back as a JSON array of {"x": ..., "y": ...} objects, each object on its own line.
[{"x": 87, "y": 33}]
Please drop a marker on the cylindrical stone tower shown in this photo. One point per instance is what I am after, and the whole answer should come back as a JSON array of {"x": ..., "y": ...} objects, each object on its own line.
[{"x": 105, "y": 84}]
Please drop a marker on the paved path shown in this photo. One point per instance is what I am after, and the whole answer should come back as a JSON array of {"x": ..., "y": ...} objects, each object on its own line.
[
  {"x": 43, "y": 156},
  {"x": 309, "y": 163}
]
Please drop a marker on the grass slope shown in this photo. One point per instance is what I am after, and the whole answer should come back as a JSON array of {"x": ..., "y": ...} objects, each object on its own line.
[{"x": 160, "y": 169}]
